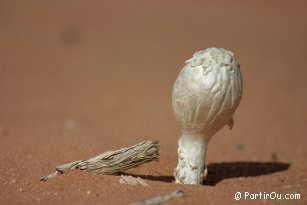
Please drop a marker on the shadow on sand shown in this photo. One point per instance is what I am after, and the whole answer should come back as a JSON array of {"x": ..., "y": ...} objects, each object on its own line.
[{"x": 227, "y": 170}]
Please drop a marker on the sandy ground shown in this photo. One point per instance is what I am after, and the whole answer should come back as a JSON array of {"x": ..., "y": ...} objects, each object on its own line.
[{"x": 78, "y": 78}]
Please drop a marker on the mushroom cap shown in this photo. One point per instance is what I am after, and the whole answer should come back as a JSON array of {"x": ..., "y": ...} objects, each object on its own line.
[{"x": 207, "y": 92}]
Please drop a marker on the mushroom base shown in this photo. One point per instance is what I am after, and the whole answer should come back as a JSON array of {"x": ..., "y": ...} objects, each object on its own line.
[{"x": 191, "y": 160}]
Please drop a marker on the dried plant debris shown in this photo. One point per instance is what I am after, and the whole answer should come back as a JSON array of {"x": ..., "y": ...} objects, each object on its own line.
[
  {"x": 132, "y": 181},
  {"x": 113, "y": 162},
  {"x": 160, "y": 199}
]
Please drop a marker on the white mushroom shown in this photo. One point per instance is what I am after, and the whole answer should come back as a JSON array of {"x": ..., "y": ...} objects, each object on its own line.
[{"x": 205, "y": 96}]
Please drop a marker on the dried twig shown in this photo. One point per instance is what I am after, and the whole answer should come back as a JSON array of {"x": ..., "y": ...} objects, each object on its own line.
[
  {"x": 132, "y": 181},
  {"x": 160, "y": 199},
  {"x": 113, "y": 162}
]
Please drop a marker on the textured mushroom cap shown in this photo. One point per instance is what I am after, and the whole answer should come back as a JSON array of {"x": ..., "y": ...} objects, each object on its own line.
[{"x": 207, "y": 91}]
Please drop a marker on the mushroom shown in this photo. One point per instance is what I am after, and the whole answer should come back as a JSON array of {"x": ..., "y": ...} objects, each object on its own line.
[{"x": 205, "y": 96}]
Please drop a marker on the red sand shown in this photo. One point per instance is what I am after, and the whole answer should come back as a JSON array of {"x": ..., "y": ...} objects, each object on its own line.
[{"x": 78, "y": 78}]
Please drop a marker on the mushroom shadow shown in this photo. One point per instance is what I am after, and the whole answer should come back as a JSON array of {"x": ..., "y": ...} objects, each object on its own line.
[
  {"x": 217, "y": 172},
  {"x": 225, "y": 170}
]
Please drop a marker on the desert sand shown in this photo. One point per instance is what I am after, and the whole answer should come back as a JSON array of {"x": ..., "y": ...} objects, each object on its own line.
[{"x": 78, "y": 78}]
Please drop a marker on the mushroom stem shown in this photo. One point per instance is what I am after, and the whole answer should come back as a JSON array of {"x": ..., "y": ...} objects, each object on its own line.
[{"x": 192, "y": 152}]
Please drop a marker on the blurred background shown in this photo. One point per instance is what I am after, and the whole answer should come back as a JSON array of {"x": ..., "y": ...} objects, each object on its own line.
[{"x": 80, "y": 77}]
